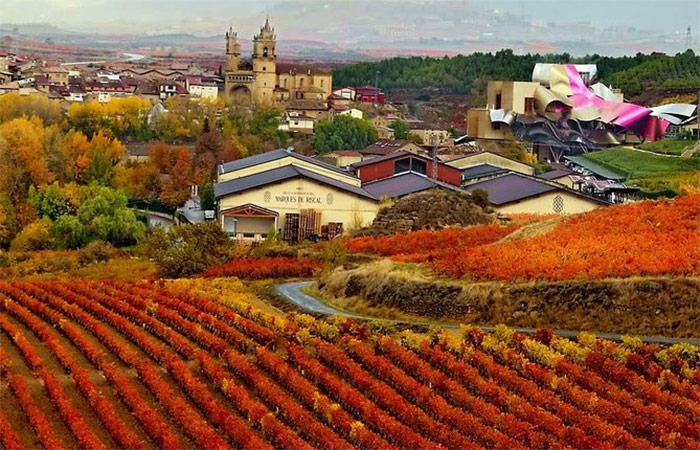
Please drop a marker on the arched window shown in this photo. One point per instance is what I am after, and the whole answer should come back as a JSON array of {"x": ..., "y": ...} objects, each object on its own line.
[{"x": 265, "y": 52}]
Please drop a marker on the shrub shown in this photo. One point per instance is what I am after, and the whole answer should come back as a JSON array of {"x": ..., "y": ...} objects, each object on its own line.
[
  {"x": 261, "y": 268},
  {"x": 69, "y": 233},
  {"x": 274, "y": 248},
  {"x": 35, "y": 236},
  {"x": 480, "y": 197},
  {"x": 5, "y": 259},
  {"x": 425, "y": 245},
  {"x": 187, "y": 250},
  {"x": 95, "y": 251}
]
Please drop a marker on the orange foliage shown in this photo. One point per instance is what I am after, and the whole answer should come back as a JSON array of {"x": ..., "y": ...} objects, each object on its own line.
[
  {"x": 259, "y": 268},
  {"x": 529, "y": 217},
  {"x": 645, "y": 238},
  {"x": 426, "y": 245}
]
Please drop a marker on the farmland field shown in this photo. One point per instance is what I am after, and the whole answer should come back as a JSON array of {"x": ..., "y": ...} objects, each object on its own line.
[
  {"x": 638, "y": 165},
  {"x": 158, "y": 365}
]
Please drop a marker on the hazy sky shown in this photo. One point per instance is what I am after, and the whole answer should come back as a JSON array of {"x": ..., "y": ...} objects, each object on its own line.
[{"x": 208, "y": 16}]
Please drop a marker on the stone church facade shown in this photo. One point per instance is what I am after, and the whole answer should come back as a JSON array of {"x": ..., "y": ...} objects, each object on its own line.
[{"x": 269, "y": 82}]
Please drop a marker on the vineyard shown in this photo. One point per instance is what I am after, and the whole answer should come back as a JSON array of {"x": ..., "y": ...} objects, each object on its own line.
[
  {"x": 162, "y": 365},
  {"x": 266, "y": 267},
  {"x": 645, "y": 238}
]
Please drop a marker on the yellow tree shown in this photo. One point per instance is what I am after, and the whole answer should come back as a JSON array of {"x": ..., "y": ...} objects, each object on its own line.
[
  {"x": 22, "y": 158},
  {"x": 76, "y": 160},
  {"x": 86, "y": 117}
]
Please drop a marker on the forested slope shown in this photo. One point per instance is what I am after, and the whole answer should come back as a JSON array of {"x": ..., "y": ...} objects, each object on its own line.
[{"x": 462, "y": 74}]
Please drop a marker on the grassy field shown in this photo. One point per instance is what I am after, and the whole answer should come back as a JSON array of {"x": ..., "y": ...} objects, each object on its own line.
[
  {"x": 667, "y": 146},
  {"x": 638, "y": 165}
]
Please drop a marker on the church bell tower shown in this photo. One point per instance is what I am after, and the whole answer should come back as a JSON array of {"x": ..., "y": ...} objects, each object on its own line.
[
  {"x": 265, "y": 64},
  {"x": 233, "y": 51}
]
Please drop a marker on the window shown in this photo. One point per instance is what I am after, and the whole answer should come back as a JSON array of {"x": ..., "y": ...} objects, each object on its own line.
[
  {"x": 419, "y": 166},
  {"x": 402, "y": 165},
  {"x": 498, "y": 101},
  {"x": 529, "y": 105},
  {"x": 249, "y": 235},
  {"x": 301, "y": 82},
  {"x": 264, "y": 69},
  {"x": 265, "y": 52},
  {"x": 321, "y": 83}
]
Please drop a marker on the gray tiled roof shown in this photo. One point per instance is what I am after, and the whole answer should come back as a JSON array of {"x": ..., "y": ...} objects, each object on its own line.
[
  {"x": 280, "y": 174},
  {"x": 595, "y": 168},
  {"x": 511, "y": 188},
  {"x": 377, "y": 159},
  {"x": 400, "y": 185},
  {"x": 556, "y": 173},
  {"x": 481, "y": 171},
  {"x": 272, "y": 156}
]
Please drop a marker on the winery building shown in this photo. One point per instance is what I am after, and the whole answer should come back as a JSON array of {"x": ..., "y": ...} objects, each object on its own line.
[{"x": 295, "y": 195}]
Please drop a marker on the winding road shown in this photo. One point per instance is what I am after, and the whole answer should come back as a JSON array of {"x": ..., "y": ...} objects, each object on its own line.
[{"x": 292, "y": 292}]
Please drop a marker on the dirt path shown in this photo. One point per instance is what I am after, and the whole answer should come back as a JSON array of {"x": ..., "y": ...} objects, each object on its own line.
[{"x": 292, "y": 292}]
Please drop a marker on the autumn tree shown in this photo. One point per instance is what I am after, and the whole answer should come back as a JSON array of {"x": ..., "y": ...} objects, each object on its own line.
[
  {"x": 176, "y": 188},
  {"x": 14, "y": 106},
  {"x": 85, "y": 117},
  {"x": 22, "y": 158},
  {"x": 159, "y": 156},
  {"x": 207, "y": 152},
  {"x": 86, "y": 160},
  {"x": 105, "y": 153},
  {"x": 142, "y": 180}
]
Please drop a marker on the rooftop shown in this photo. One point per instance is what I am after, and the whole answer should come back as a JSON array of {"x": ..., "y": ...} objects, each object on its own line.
[
  {"x": 481, "y": 171},
  {"x": 399, "y": 185},
  {"x": 595, "y": 168},
  {"x": 510, "y": 188},
  {"x": 280, "y": 174},
  {"x": 554, "y": 174},
  {"x": 274, "y": 155},
  {"x": 385, "y": 146}
]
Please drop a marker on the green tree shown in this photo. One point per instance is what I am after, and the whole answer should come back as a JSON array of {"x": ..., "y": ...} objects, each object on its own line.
[
  {"x": 400, "y": 128},
  {"x": 206, "y": 195},
  {"x": 343, "y": 133},
  {"x": 51, "y": 201},
  {"x": 187, "y": 250},
  {"x": 69, "y": 232}
]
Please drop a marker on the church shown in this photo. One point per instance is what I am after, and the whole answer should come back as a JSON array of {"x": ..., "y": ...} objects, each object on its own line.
[{"x": 267, "y": 82}]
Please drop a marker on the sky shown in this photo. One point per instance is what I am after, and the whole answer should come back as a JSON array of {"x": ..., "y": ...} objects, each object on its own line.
[{"x": 209, "y": 16}]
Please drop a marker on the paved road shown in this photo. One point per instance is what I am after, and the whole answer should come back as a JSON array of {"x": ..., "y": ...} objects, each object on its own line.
[{"x": 292, "y": 293}]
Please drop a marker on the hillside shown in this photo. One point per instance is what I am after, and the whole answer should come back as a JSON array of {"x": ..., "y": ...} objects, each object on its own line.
[
  {"x": 636, "y": 75},
  {"x": 645, "y": 238},
  {"x": 138, "y": 365},
  {"x": 637, "y": 164}
]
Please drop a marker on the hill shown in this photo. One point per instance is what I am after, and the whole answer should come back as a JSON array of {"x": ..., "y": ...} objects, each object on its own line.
[
  {"x": 644, "y": 238},
  {"x": 637, "y": 164},
  {"x": 636, "y": 75}
]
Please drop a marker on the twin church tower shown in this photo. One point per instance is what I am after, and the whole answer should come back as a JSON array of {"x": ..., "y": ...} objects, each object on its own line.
[{"x": 268, "y": 82}]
